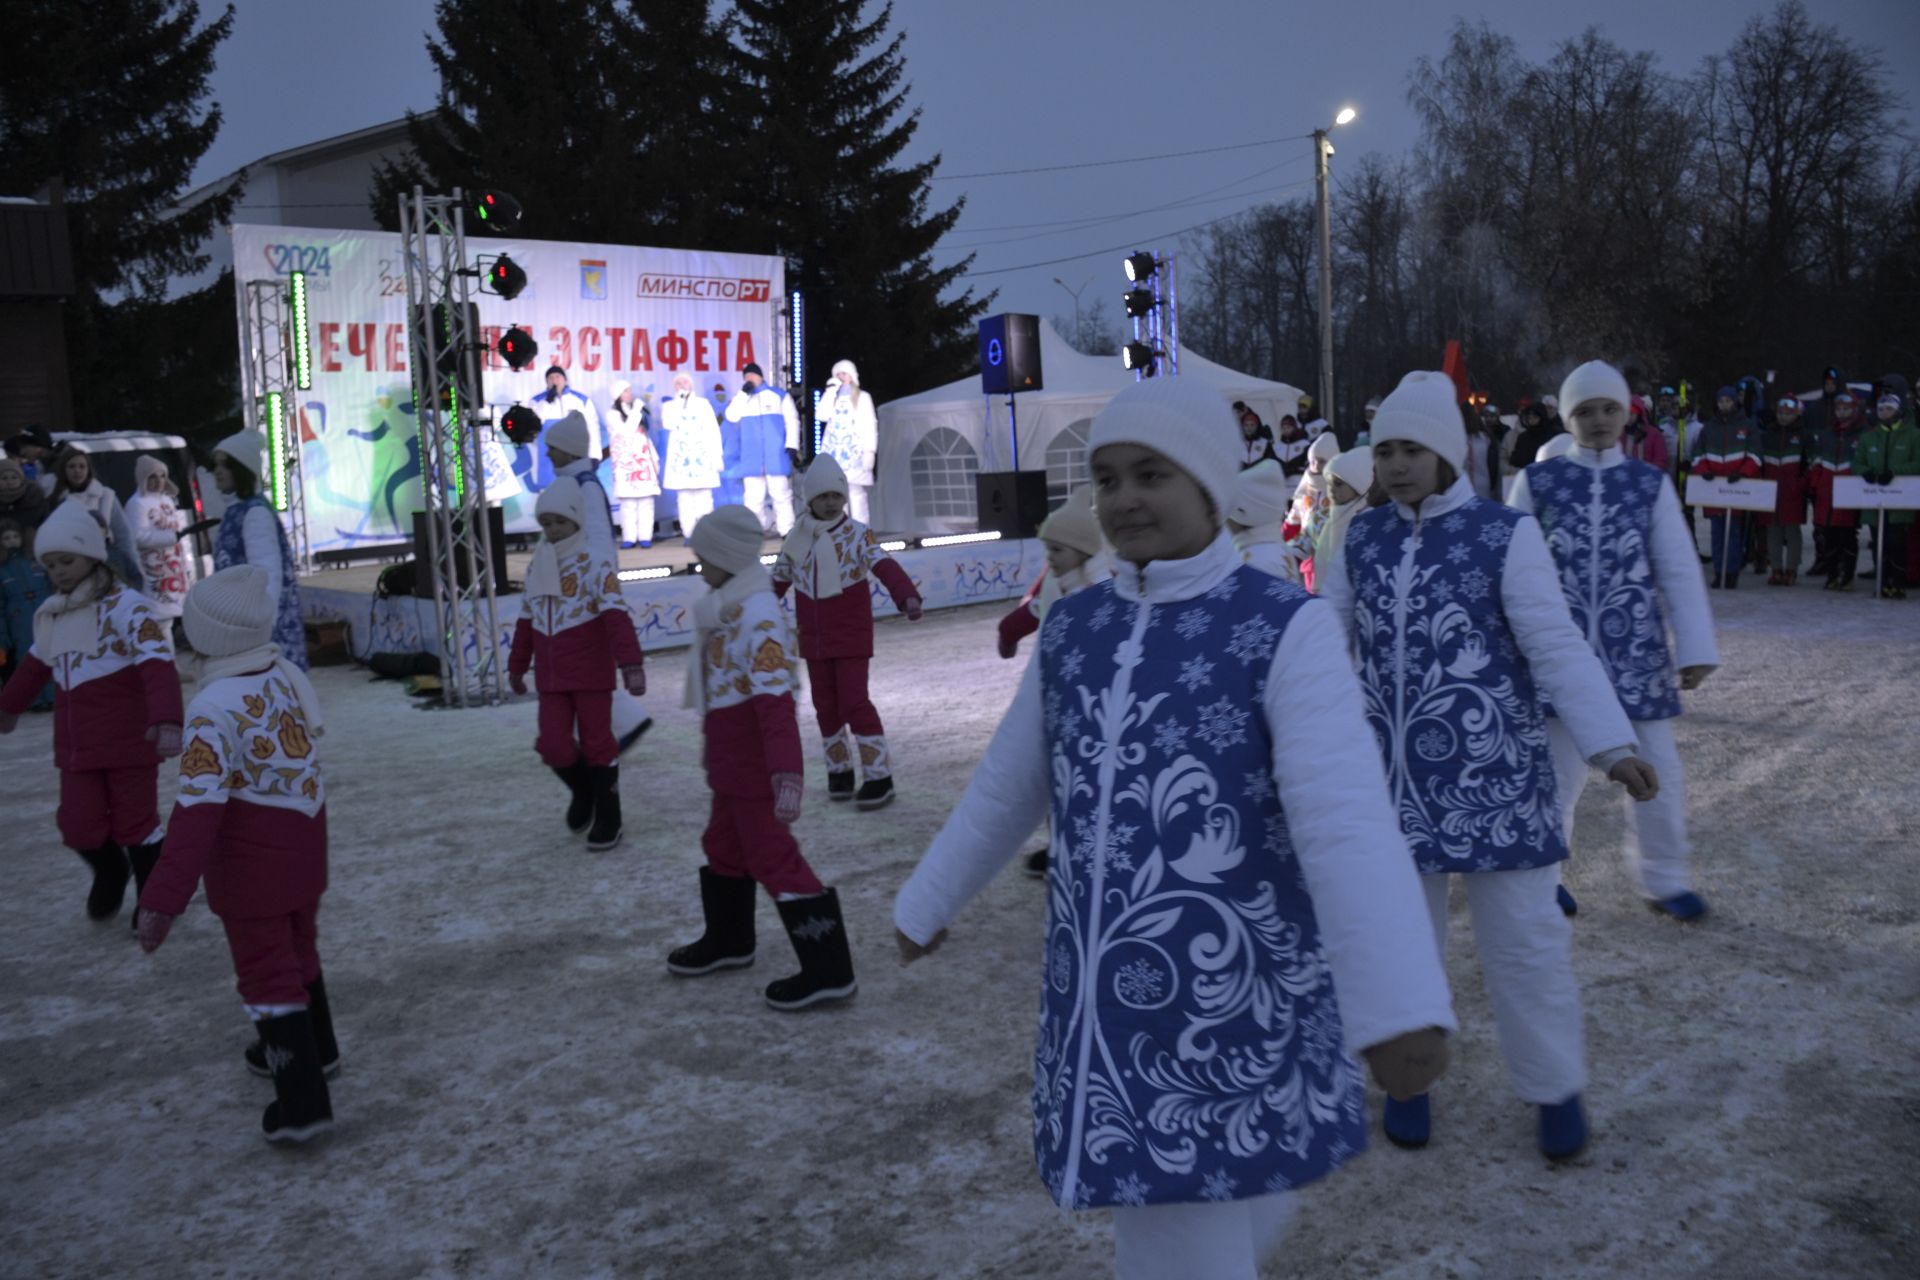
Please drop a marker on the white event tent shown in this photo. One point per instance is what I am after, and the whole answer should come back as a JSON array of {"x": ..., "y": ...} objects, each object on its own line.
[{"x": 933, "y": 444}]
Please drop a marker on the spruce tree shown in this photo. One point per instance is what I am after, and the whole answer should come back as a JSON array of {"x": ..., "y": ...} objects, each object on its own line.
[
  {"x": 825, "y": 188},
  {"x": 108, "y": 100}
]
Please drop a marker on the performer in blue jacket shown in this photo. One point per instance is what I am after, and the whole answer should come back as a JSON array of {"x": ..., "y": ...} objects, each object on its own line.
[{"x": 769, "y": 446}]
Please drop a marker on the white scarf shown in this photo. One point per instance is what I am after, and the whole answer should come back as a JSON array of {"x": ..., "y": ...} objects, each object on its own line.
[
  {"x": 706, "y": 619},
  {"x": 1095, "y": 568},
  {"x": 810, "y": 543},
  {"x": 260, "y": 658},
  {"x": 1256, "y": 536},
  {"x": 543, "y": 575},
  {"x": 70, "y": 622}
]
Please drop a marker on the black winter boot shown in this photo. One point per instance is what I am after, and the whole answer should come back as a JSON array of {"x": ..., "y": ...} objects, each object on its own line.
[
  {"x": 840, "y": 785},
  {"x": 819, "y": 938},
  {"x": 323, "y": 1039},
  {"x": 580, "y": 810},
  {"x": 727, "y": 902},
  {"x": 142, "y": 858},
  {"x": 875, "y": 793},
  {"x": 604, "y": 782},
  {"x": 109, "y": 865},
  {"x": 301, "y": 1108}
]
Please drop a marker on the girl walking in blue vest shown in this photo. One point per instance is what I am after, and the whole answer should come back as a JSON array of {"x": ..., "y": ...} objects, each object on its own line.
[
  {"x": 1627, "y": 567},
  {"x": 1212, "y": 880},
  {"x": 1460, "y": 628}
]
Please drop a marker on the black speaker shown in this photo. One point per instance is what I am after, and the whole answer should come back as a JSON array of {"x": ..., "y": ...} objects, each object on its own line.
[
  {"x": 1010, "y": 354},
  {"x": 1012, "y": 503},
  {"x": 423, "y": 567}
]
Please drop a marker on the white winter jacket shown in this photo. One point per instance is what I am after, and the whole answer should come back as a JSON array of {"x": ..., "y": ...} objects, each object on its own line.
[
  {"x": 693, "y": 444},
  {"x": 852, "y": 432},
  {"x": 1366, "y": 894}
]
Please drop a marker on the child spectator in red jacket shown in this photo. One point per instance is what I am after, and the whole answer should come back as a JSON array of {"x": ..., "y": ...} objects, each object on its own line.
[
  {"x": 829, "y": 556},
  {"x": 1076, "y": 557},
  {"x": 1836, "y": 536},
  {"x": 740, "y": 674},
  {"x": 116, "y": 705},
  {"x": 250, "y": 818},
  {"x": 574, "y": 630},
  {"x": 1783, "y": 460}
]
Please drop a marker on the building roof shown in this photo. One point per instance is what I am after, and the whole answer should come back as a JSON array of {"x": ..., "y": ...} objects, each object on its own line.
[{"x": 372, "y": 138}]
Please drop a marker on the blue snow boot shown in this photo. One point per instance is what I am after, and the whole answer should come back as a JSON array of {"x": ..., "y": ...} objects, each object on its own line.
[
  {"x": 1568, "y": 907},
  {"x": 1683, "y": 906},
  {"x": 1563, "y": 1129},
  {"x": 1407, "y": 1124}
]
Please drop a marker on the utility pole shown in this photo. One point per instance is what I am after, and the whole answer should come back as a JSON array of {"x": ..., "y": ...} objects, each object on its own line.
[{"x": 1322, "y": 148}]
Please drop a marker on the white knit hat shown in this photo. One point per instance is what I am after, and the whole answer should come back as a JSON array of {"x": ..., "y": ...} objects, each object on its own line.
[
  {"x": 1558, "y": 447},
  {"x": 845, "y": 366},
  {"x": 730, "y": 537},
  {"x": 229, "y": 612},
  {"x": 1184, "y": 421},
  {"x": 70, "y": 527},
  {"x": 570, "y": 434},
  {"x": 563, "y": 498},
  {"x": 148, "y": 466},
  {"x": 1073, "y": 524},
  {"x": 1354, "y": 468},
  {"x": 1325, "y": 446},
  {"x": 1595, "y": 380},
  {"x": 1261, "y": 495},
  {"x": 245, "y": 448},
  {"x": 824, "y": 475},
  {"x": 1424, "y": 408},
  {"x": 619, "y": 388}
]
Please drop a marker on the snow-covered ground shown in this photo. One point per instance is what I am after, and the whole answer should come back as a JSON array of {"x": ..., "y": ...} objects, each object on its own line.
[{"x": 527, "y": 1092}]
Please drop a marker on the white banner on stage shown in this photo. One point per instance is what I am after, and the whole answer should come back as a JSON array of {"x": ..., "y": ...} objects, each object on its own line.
[
  {"x": 602, "y": 312},
  {"x": 1737, "y": 495},
  {"x": 1902, "y": 493}
]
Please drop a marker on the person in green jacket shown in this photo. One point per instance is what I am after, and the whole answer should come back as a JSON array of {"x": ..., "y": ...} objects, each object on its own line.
[{"x": 1889, "y": 448}]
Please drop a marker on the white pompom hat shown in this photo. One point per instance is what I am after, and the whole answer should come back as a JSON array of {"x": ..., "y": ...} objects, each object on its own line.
[
  {"x": 1184, "y": 421},
  {"x": 1425, "y": 409}
]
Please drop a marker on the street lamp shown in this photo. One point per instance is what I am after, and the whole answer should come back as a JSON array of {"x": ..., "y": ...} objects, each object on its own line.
[
  {"x": 1322, "y": 148},
  {"x": 1075, "y": 295}
]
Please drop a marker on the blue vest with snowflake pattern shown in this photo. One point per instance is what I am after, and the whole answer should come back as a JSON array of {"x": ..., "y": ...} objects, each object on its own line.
[
  {"x": 1450, "y": 697},
  {"x": 230, "y": 548},
  {"x": 1190, "y": 1046},
  {"x": 1599, "y": 526}
]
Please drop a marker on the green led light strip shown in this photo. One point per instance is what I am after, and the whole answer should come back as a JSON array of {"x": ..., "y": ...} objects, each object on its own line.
[
  {"x": 302, "y": 352},
  {"x": 277, "y": 450}
]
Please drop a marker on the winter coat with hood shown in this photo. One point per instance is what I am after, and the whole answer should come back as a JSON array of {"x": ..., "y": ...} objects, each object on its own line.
[
  {"x": 20, "y": 498},
  {"x": 1726, "y": 448},
  {"x": 636, "y": 467},
  {"x": 1889, "y": 449},
  {"x": 1783, "y": 460},
  {"x": 852, "y": 428},
  {"x": 1830, "y": 455},
  {"x": 575, "y": 629}
]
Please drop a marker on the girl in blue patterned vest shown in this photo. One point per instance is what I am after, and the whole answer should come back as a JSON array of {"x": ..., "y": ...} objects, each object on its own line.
[
  {"x": 1459, "y": 625},
  {"x": 1628, "y": 567},
  {"x": 1211, "y": 881},
  {"x": 250, "y": 533}
]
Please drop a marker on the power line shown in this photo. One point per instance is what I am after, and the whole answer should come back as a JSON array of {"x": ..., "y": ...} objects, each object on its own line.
[
  {"x": 1097, "y": 164},
  {"x": 1095, "y": 253},
  {"x": 1095, "y": 220}
]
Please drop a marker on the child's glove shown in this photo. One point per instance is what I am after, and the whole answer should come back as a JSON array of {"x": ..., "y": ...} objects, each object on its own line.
[
  {"x": 7, "y": 721},
  {"x": 635, "y": 677},
  {"x": 165, "y": 739},
  {"x": 913, "y": 609},
  {"x": 1008, "y": 648},
  {"x": 786, "y": 797},
  {"x": 1694, "y": 677},
  {"x": 1637, "y": 776},
  {"x": 517, "y": 681},
  {"x": 1408, "y": 1064},
  {"x": 153, "y": 926},
  {"x": 911, "y": 950}
]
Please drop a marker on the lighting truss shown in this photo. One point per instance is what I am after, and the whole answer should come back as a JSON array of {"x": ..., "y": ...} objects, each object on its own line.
[{"x": 274, "y": 356}]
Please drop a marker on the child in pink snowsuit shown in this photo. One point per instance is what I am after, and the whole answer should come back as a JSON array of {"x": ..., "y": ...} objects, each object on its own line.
[
  {"x": 830, "y": 556},
  {"x": 116, "y": 706},
  {"x": 574, "y": 630}
]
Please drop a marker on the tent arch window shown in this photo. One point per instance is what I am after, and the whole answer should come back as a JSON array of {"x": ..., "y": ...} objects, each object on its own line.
[
  {"x": 943, "y": 467},
  {"x": 1067, "y": 461}
]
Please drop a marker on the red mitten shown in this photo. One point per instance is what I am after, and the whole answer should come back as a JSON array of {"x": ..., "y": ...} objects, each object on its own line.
[
  {"x": 914, "y": 609},
  {"x": 153, "y": 928},
  {"x": 786, "y": 797},
  {"x": 1016, "y": 626},
  {"x": 165, "y": 739},
  {"x": 517, "y": 681},
  {"x": 635, "y": 678}
]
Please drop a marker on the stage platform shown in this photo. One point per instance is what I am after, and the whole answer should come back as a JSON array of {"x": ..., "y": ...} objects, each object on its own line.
[{"x": 660, "y": 586}]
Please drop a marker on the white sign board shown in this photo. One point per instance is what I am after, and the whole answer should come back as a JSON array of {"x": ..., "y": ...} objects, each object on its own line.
[
  {"x": 1739, "y": 495},
  {"x": 604, "y": 313},
  {"x": 1902, "y": 493}
]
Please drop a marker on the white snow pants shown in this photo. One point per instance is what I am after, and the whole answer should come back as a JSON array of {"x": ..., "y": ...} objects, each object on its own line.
[
  {"x": 857, "y": 503},
  {"x": 636, "y": 519},
  {"x": 1201, "y": 1241},
  {"x": 778, "y": 489},
  {"x": 694, "y": 503},
  {"x": 1656, "y": 848},
  {"x": 1526, "y": 957}
]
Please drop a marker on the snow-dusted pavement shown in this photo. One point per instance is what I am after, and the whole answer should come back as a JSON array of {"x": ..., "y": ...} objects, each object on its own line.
[{"x": 527, "y": 1092}]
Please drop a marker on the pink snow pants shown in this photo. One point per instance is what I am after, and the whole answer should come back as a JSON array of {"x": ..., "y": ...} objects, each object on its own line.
[
  {"x": 98, "y": 805},
  {"x": 593, "y": 710},
  {"x": 275, "y": 957},
  {"x": 744, "y": 840},
  {"x": 840, "y": 696}
]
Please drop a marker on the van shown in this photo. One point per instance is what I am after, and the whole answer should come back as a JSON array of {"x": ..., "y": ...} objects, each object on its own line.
[{"x": 114, "y": 454}]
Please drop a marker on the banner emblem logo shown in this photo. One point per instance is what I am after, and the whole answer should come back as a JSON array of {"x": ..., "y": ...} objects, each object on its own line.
[
  {"x": 593, "y": 279},
  {"x": 705, "y": 288}
]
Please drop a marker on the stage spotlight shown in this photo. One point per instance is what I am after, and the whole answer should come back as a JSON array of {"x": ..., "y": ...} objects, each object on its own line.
[
  {"x": 1140, "y": 266},
  {"x": 1139, "y": 302},
  {"x": 496, "y": 211},
  {"x": 517, "y": 348},
  {"x": 506, "y": 277},
  {"x": 520, "y": 425},
  {"x": 1138, "y": 356}
]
